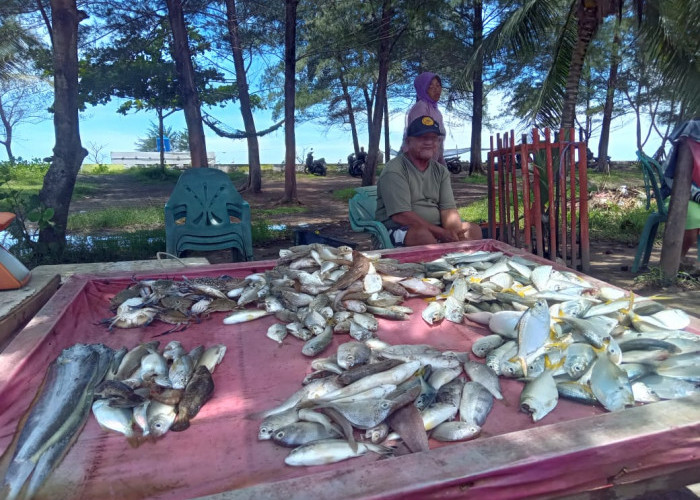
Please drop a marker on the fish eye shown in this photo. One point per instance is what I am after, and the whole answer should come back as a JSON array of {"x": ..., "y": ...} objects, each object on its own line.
[
  {"x": 385, "y": 404},
  {"x": 279, "y": 435}
]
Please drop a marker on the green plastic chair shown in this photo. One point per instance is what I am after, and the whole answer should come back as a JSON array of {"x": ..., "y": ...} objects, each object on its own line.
[
  {"x": 653, "y": 179},
  {"x": 361, "y": 208},
  {"x": 205, "y": 212}
]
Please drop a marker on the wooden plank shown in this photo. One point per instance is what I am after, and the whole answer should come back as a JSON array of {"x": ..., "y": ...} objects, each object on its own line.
[{"x": 17, "y": 307}]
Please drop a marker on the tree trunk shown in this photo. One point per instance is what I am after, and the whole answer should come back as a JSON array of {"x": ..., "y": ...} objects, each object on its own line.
[
  {"x": 387, "y": 142},
  {"x": 161, "y": 128},
  {"x": 185, "y": 74},
  {"x": 603, "y": 165},
  {"x": 677, "y": 213},
  {"x": 254, "y": 170},
  {"x": 290, "y": 34},
  {"x": 7, "y": 126},
  {"x": 68, "y": 153},
  {"x": 351, "y": 113},
  {"x": 380, "y": 96},
  {"x": 478, "y": 94}
]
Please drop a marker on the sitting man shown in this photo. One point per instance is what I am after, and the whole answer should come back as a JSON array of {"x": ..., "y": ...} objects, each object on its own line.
[{"x": 414, "y": 193}]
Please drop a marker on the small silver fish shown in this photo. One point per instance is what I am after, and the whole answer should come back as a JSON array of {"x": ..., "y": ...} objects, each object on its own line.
[
  {"x": 434, "y": 312},
  {"x": 455, "y": 431},
  {"x": 244, "y": 316},
  {"x": 540, "y": 396},
  {"x": 329, "y": 451}
]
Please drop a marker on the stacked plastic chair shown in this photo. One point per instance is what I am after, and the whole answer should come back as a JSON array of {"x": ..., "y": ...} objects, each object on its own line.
[
  {"x": 361, "y": 208},
  {"x": 206, "y": 213},
  {"x": 653, "y": 179}
]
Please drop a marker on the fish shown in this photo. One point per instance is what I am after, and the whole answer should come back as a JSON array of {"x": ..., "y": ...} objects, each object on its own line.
[
  {"x": 132, "y": 359},
  {"x": 212, "y": 357},
  {"x": 140, "y": 415},
  {"x": 300, "y": 433},
  {"x": 485, "y": 376},
  {"x": 427, "y": 394},
  {"x": 244, "y": 316},
  {"x": 351, "y": 354},
  {"x": 377, "y": 433},
  {"x": 56, "y": 416},
  {"x": 533, "y": 332},
  {"x": 476, "y": 403},
  {"x": 455, "y": 431},
  {"x": 422, "y": 287},
  {"x": 579, "y": 357},
  {"x": 576, "y": 391},
  {"x": 160, "y": 417},
  {"x": 313, "y": 390},
  {"x": 610, "y": 384},
  {"x": 118, "y": 394},
  {"x": 481, "y": 347},
  {"x": 319, "y": 343},
  {"x": 505, "y": 323},
  {"x": 180, "y": 371},
  {"x": 198, "y": 391},
  {"x": 357, "y": 271},
  {"x": 442, "y": 376},
  {"x": 539, "y": 396},
  {"x": 358, "y": 372},
  {"x": 408, "y": 422},
  {"x": 454, "y": 310},
  {"x": 451, "y": 393},
  {"x": 330, "y": 451},
  {"x": 115, "y": 419},
  {"x": 394, "y": 375},
  {"x": 277, "y": 332},
  {"x": 363, "y": 414},
  {"x": 275, "y": 421}
]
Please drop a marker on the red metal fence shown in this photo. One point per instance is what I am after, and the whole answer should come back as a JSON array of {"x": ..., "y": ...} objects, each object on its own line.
[{"x": 532, "y": 178}]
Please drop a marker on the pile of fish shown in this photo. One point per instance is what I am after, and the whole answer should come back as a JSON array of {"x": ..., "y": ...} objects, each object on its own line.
[
  {"x": 378, "y": 388},
  {"x": 150, "y": 392},
  {"x": 156, "y": 390},
  {"x": 556, "y": 332}
]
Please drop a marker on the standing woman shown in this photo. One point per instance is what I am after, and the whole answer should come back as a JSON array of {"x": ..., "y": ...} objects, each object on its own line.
[{"x": 428, "y": 89}]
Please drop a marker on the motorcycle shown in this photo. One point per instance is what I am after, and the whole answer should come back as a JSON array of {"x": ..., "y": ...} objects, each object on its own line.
[
  {"x": 453, "y": 164},
  {"x": 316, "y": 167},
  {"x": 356, "y": 166}
]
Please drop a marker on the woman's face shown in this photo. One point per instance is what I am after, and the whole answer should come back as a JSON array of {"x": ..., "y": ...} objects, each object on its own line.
[{"x": 434, "y": 90}]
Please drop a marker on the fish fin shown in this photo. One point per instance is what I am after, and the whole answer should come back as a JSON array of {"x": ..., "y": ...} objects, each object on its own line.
[{"x": 523, "y": 364}]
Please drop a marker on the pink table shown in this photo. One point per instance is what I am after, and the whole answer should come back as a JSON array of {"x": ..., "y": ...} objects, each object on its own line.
[{"x": 574, "y": 449}]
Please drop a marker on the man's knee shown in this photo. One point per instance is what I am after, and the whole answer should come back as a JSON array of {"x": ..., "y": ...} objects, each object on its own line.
[{"x": 471, "y": 231}]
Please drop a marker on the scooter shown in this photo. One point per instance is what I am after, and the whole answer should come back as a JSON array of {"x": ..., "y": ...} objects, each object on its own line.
[
  {"x": 316, "y": 167},
  {"x": 356, "y": 167},
  {"x": 453, "y": 164}
]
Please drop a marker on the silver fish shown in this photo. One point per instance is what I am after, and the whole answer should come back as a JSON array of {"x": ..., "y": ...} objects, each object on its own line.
[
  {"x": 301, "y": 433},
  {"x": 476, "y": 403},
  {"x": 579, "y": 357},
  {"x": 180, "y": 371},
  {"x": 277, "y": 332},
  {"x": 481, "y": 347},
  {"x": 451, "y": 393},
  {"x": 329, "y": 451},
  {"x": 610, "y": 384},
  {"x": 455, "y": 431},
  {"x": 160, "y": 418},
  {"x": 115, "y": 419},
  {"x": 533, "y": 332},
  {"x": 273, "y": 422},
  {"x": 434, "y": 312},
  {"x": 244, "y": 316},
  {"x": 481, "y": 373},
  {"x": 353, "y": 353},
  {"x": 442, "y": 376},
  {"x": 363, "y": 414},
  {"x": 212, "y": 356},
  {"x": 319, "y": 343},
  {"x": 540, "y": 396}
]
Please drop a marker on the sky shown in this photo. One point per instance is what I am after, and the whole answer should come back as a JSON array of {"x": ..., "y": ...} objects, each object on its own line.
[{"x": 101, "y": 127}]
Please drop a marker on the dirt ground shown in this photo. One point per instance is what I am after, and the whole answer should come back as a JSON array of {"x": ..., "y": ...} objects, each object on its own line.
[{"x": 610, "y": 261}]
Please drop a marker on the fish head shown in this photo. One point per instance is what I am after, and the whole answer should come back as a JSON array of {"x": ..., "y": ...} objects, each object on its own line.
[{"x": 159, "y": 425}]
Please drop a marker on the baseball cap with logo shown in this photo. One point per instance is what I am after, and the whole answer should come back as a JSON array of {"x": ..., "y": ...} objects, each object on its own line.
[{"x": 423, "y": 125}]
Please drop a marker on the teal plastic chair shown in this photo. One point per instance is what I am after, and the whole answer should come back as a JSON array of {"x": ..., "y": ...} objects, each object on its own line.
[
  {"x": 361, "y": 208},
  {"x": 653, "y": 179},
  {"x": 205, "y": 213}
]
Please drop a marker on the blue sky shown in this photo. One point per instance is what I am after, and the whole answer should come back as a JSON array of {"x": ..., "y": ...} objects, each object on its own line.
[{"x": 104, "y": 127}]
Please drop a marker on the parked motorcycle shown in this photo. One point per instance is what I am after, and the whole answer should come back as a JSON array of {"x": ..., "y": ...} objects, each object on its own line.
[
  {"x": 316, "y": 167},
  {"x": 453, "y": 164},
  {"x": 356, "y": 166}
]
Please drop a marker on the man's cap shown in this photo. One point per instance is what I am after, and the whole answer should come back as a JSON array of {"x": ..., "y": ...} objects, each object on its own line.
[{"x": 423, "y": 125}]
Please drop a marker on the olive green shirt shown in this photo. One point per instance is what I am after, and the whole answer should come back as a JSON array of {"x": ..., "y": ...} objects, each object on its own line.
[{"x": 401, "y": 187}]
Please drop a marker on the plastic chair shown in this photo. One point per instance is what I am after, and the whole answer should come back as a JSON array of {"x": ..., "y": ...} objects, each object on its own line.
[
  {"x": 205, "y": 212},
  {"x": 361, "y": 208},
  {"x": 653, "y": 179}
]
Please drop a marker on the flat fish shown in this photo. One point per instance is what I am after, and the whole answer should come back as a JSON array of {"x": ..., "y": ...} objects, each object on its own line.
[
  {"x": 476, "y": 403},
  {"x": 485, "y": 376},
  {"x": 539, "y": 397},
  {"x": 455, "y": 431},
  {"x": 300, "y": 433}
]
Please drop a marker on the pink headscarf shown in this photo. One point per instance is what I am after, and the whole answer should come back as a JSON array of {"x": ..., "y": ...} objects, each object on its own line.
[{"x": 421, "y": 83}]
